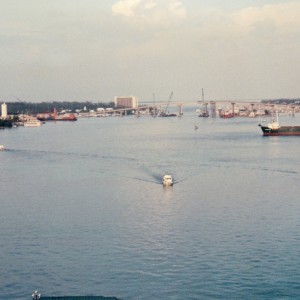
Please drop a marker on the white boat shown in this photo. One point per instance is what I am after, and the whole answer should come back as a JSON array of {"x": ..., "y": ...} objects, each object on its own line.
[
  {"x": 33, "y": 123},
  {"x": 2, "y": 148},
  {"x": 167, "y": 180}
]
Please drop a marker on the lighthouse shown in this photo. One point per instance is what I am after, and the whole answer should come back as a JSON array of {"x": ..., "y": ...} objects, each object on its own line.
[{"x": 3, "y": 111}]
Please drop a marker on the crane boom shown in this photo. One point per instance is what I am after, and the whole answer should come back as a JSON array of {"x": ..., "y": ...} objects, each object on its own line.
[{"x": 167, "y": 107}]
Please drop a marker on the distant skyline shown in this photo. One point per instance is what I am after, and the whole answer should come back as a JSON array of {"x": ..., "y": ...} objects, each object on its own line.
[{"x": 90, "y": 50}]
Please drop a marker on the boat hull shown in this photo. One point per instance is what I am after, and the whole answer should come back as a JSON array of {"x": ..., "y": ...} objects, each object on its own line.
[
  {"x": 65, "y": 119},
  {"x": 33, "y": 123},
  {"x": 281, "y": 131},
  {"x": 70, "y": 117},
  {"x": 167, "y": 180},
  {"x": 167, "y": 115}
]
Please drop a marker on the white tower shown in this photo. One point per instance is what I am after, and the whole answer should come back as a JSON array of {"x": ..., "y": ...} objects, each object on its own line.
[{"x": 4, "y": 111}]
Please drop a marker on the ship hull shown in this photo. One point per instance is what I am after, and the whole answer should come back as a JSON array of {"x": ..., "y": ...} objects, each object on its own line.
[
  {"x": 70, "y": 117},
  {"x": 65, "y": 119},
  {"x": 167, "y": 115},
  {"x": 282, "y": 131}
]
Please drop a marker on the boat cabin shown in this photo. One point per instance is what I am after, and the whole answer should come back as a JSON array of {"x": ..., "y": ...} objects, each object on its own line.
[{"x": 167, "y": 180}]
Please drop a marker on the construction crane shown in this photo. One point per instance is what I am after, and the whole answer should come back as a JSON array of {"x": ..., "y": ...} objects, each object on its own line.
[
  {"x": 166, "y": 113},
  {"x": 167, "y": 107}
]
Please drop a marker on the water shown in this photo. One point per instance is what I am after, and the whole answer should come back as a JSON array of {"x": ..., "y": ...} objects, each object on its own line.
[{"x": 83, "y": 211}]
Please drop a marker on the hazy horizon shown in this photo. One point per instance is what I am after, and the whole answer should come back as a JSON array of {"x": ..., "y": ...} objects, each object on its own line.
[{"x": 93, "y": 51}]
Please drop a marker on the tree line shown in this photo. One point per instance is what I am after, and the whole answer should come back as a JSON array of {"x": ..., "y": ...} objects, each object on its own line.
[
  {"x": 14, "y": 108},
  {"x": 282, "y": 101}
]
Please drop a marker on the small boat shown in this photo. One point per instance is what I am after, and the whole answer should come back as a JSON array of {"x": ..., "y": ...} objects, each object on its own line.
[
  {"x": 274, "y": 129},
  {"x": 167, "y": 114},
  {"x": 204, "y": 114},
  {"x": 33, "y": 123},
  {"x": 226, "y": 115},
  {"x": 2, "y": 148},
  {"x": 65, "y": 117},
  {"x": 167, "y": 180}
]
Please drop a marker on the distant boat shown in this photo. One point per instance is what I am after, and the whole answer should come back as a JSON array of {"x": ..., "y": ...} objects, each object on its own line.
[
  {"x": 226, "y": 115},
  {"x": 65, "y": 117},
  {"x": 203, "y": 113},
  {"x": 56, "y": 116},
  {"x": 167, "y": 114},
  {"x": 33, "y": 123},
  {"x": 2, "y": 148},
  {"x": 167, "y": 180},
  {"x": 274, "y": 129}
]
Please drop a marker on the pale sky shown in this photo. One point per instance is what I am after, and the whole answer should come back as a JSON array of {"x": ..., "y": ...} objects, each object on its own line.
[{"x": 93, "y": 50}]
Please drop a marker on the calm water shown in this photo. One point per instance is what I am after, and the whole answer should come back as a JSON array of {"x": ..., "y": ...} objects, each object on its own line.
[{"x": 83, "y": 212}]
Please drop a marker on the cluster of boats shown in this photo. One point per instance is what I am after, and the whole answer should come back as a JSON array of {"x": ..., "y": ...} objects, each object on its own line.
[{"x": 40, "y": 119}]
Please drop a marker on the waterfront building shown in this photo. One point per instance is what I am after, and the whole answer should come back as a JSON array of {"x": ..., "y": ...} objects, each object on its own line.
[
  {"x": 126, "y": 102},
  {"x": 3, "y": 111}
]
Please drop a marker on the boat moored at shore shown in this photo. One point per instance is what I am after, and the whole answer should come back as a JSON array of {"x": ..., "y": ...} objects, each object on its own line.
[
  {"x": 33, "y": 123},
  {"x": 56, "y": 116}
]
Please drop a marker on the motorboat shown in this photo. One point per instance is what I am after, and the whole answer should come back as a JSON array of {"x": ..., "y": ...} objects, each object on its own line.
[
  {"x": 167, "y": 180},
  {"x": 33, "y": 123},
  {"x": 2, "y": 148}
]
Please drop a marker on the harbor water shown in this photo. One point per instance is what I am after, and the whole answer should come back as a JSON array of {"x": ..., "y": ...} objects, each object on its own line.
[{"x": 83, "y": 210}]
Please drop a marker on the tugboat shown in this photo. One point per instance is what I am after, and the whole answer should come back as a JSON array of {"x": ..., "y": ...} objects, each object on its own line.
[{"x": 167, "y": 180}]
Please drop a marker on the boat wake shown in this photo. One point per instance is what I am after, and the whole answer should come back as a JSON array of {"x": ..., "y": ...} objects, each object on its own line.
[
  {"x": 157, "y": 176},
  {"x": 144, "y": 173},
  {"x": 141, "y": 179},
  {"x": 280, "y": 171}
]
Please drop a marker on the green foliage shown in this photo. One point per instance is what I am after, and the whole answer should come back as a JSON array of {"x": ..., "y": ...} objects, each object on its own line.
[
  {"x": 15, "y": 108},
  {"x": 282, "y": 101},
  {"x": 5, "y": 123}
]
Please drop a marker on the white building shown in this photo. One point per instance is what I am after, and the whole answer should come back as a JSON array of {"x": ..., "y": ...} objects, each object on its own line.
[
  {"x": 126, "y": 102},
  {"x": 3, "y": 111}
]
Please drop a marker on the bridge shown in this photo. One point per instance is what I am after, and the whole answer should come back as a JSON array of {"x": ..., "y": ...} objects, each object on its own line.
[{"x": 214, "y": 106}]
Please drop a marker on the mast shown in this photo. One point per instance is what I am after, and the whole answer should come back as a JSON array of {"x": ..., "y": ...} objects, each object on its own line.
[{"x": 204, "y": 113}]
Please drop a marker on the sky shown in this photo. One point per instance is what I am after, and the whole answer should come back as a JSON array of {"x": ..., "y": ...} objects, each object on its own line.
[{"x": 94, "y": 50}]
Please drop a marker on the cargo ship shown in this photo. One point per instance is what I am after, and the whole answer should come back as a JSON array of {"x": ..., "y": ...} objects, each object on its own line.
[
  {"x": 274, "y": 129},
  {"x": 56, "y": 117}
]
